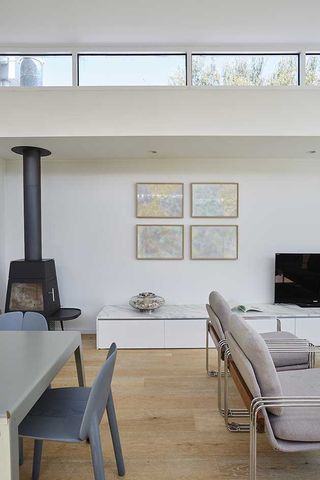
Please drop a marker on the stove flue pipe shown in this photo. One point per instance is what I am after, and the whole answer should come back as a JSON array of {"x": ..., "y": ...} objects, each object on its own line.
[{"x": 32, "y": 199}]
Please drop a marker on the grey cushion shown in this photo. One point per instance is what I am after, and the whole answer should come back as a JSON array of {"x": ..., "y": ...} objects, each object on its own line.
[
  {"x": 256, "y": 350},
  {"x": 244, "y": 366},
  {"x": 298, "y": 423},
  {"x": 221, "y": 308},
  {"x": 215, "y": 323},
  {"x": 286, "y": 361}
]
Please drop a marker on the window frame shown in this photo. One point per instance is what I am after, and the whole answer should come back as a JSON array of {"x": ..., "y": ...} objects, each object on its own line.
[
  {"x": 132, "y": 54},
  {"x": 249, "y": 54},
  {"x": 40, "y": 54}
]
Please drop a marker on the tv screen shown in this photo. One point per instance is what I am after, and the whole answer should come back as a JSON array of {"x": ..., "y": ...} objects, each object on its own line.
[{"x": 297, "y": 279}]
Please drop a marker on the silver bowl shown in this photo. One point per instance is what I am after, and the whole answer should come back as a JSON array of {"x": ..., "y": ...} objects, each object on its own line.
[{"x": 146, "y": 302}]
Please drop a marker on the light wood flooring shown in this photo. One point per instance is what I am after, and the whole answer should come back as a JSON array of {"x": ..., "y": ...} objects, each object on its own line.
[{"x": 170, "y": 430}]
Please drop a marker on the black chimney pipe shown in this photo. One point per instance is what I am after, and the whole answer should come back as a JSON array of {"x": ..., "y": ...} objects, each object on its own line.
[{"x": 32, "y": 199}]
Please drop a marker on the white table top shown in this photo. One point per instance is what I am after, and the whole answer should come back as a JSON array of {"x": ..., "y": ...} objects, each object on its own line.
[
  {"x": 269, "y": 310},
  {"x": 125, "y": 312},
  {"x": 28, "y": 363}
]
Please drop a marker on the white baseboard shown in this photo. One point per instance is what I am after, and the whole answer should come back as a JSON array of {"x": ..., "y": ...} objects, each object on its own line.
[{"x": 82, "y": 331}]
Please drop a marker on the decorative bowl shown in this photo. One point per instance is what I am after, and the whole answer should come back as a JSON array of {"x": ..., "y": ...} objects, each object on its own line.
[{"x": 146, "y": 301}]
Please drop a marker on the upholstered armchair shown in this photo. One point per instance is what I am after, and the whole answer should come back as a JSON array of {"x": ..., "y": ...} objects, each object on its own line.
[
  {"x": 287, "y": 351},
  {"x": 286, "y": 402}
]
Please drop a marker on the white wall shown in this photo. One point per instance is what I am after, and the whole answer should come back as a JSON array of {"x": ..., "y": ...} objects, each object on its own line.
[
  {"x": 83, "y": 111},
  {"x": 3, "y": 272},
  {"x": 89, "y": 228}
]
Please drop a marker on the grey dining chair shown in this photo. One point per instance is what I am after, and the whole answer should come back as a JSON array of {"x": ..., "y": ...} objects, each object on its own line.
[
  {"x": 14, "y": 321},
  {"x": 33, "y": 321},
  {"x": 288, "y": 401},
  {"x": 11, "y": 321},
  {"x": 73, "y": 415}
]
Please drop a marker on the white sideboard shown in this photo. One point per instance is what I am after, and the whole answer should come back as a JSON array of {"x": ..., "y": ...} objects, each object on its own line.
[
  {"x": 303, "y": 322},
  {"x": 171, "y": 326},
  {"x": 184, "y": 326}
]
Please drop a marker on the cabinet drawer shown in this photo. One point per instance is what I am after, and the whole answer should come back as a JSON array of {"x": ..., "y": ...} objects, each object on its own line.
[
  {"x": 130, "y": 333},
  {"x": 185, "y": 333},
  {"x": 309, "y": 328}
]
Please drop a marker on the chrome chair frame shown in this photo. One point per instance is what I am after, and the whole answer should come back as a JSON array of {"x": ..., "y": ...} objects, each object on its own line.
[
  {"x": 274, "y": 346},
  {"x": 294, "y": 345},
  {"x": 259, "y": 404},
  {"x": 210, "y": 373},
  {"x": 234, "y": 427},
  {"x": 221, "y": 347}
]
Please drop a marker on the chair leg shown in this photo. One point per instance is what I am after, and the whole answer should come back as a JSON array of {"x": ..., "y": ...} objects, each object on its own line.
[
  {"x": 210, "y": 373},
  {"x": 253, "y": 448},
  {"x": 21, "y": 458},
  {"x": 37, "y": 459},
  {"x": 113, "y": 425},
  {"x": 61, "y": 324},
  {"x": 96, "y": 452},
  {"x": 233, "y": 426}
]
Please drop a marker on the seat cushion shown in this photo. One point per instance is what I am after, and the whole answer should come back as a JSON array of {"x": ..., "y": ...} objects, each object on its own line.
[
  {"x": 288, "y": 360},
  {"x": 57, "y": 415},
  {"x": 300, "y": 424}
]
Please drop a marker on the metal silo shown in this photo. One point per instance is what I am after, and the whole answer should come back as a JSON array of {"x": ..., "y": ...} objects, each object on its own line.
[{"x": 31, "y": 72}]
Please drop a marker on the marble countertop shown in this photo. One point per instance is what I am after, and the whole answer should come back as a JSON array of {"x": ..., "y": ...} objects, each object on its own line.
[
  {"x": 281, "y": 311},
  {"x": 192, "y": 311},
  {"x": 125, "y": 312}
]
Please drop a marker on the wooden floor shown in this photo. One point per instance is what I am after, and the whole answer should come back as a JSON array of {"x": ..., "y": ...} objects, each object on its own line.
[{"x": 169, "y": 426}]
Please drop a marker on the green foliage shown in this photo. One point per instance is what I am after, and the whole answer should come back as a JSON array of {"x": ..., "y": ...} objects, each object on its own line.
[
  {"x": 313, "y": 70},
  {"x": 204, "y": 74},
  {"x": 178, "y": 78},
  {"x": 285, "y": 73},
  {"x": 243, "y": 71}
]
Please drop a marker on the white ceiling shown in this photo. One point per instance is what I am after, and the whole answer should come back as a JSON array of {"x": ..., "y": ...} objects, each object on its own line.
[
  {"x": 118, "y": 148},
  {"x": 166, "y": 22}
]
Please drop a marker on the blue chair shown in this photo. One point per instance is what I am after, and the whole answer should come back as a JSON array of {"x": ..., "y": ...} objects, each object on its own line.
[
  {"x": 33, "y": 321},
  {"x": 11, "y": 321},
  {"x": 74, "y": 415}
]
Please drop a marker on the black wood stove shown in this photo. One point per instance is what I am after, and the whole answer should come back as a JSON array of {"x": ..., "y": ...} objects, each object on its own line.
[{"x": 32, "y": 284}]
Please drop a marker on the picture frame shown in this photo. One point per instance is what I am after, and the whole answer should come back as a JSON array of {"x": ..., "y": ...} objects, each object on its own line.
[
  {"x": 159, "y": 200},
  {"x": 214, "y": 200},
  {"x": 159, "y": 242},
  {"x": 214, "y": 242}
]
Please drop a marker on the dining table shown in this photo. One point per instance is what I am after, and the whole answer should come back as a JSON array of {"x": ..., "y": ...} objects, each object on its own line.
[{"x": 29, "y": 362}]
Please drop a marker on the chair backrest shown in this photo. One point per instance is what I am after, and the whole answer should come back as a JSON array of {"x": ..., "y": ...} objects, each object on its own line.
[
  {"x": 11, "y": 321},
  {"x": 244, "y": 366},
  {"x": 221, "y": 309},
  {"x": 255, "y": 349},
  {"x": 98, "y": 397},
  {"x": 33, "y": 321},
  {"x": 215, "y": 322}
]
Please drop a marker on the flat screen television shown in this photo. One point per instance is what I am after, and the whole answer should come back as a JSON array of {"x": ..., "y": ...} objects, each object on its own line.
[{"x": 297, "y": 279}]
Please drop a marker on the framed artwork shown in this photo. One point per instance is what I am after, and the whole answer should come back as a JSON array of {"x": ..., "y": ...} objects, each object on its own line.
[
  {"x": 214, "y": 242},
  {"x": 215, "y": 200},
  {"x": 160, "y": 242},
  {"x": 159, "y": 200}
]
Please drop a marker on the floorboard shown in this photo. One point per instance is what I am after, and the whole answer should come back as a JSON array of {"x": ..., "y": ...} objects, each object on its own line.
[{"x": 170, "y": 430}]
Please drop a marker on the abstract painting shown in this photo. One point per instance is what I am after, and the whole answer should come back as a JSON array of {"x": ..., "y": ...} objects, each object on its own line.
[
  {"x": 160, "y": 242},
  {"x": 159, "y": 200},
  {"x": 214, "y": 200},
  {"x": 214, "y": 242}
]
